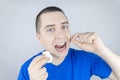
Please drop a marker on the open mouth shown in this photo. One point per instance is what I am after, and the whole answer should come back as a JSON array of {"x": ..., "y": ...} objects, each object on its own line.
[{"x": 60, "y": 46}]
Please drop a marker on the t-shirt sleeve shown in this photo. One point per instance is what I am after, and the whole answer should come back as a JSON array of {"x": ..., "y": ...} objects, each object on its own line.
[
  {"x": 23, "y": 74},
  {"x": 99, "y": 67}
]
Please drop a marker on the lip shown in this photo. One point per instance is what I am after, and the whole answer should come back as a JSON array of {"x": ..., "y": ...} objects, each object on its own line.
[{"x": 62, "y": 49}]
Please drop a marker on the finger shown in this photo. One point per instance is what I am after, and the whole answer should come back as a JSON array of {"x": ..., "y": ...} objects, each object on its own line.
[
  {"x": 77, "y": 42},
  {"x": 81, "y": 37},
  {"x": 91, "y": 37},
  {"x": 44, "y": 76},
  {"x": 36, "y": 59},
  {"x": 84, "y": 37},
  {"x": 41, "y": 63},
  {"x": 38, "y": 62},
  {"x": 76, "y": 36},
  {"x": 41, "y": 71},
  {"x": 87, "y": 37},
  {"x": 38, "y": 73},
  {"x": 41, "y": 77}
]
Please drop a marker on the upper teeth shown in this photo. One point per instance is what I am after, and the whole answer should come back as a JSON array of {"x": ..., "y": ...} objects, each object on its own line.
[{"x": 61, "y": 43}]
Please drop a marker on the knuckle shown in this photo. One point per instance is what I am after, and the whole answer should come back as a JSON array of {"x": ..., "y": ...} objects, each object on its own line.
[
  {"x": 46, "y": 74},
  {"x": 93, "y": 33},
  {"x": 42, "y": 62},
  {"x": 44, "y": 69}
]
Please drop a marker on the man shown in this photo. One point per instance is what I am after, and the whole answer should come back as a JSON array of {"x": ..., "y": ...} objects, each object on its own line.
[{"x": 52, "y": 30}]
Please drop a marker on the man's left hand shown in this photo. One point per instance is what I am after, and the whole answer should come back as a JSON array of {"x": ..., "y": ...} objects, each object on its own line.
[{"x": 88, "y": 41}]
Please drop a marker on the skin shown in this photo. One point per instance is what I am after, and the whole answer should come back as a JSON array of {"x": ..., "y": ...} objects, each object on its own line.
[
  {"x": 90, "y": 42},
  {"x": 54, "y": 30}
]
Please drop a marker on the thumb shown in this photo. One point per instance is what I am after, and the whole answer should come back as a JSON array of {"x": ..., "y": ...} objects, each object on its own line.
[{"x": 76, "y": 42}]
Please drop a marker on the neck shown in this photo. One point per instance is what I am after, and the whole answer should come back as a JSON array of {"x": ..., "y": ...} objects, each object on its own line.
[{"x": 57, "y": 61}]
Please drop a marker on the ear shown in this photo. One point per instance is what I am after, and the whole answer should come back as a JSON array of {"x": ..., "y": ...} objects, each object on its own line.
[{"x": 38, "y": 36}]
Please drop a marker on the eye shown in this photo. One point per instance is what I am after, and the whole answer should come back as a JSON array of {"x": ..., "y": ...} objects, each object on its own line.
[
  {"x": 50, "y": 30},
  {"x": 65, "y": 27}
]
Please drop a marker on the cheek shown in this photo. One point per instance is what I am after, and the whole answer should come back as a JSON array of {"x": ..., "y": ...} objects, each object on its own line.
[
  {"x": 45, "y": 38},
  {"x": 68, "y": 34},
  {"x": 48, "y": 41}
]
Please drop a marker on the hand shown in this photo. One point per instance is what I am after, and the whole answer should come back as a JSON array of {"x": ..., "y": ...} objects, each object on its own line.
[
  {"x": 36, "y": 72},
  {"x": 88, "y": 41}
]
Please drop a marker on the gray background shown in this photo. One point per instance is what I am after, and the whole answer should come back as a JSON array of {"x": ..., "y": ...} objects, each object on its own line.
[{"x": 17, "y": 30}]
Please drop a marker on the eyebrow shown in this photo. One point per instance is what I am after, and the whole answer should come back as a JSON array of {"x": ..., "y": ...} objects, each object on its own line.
[
  {"x": 51, "y": 25},
  {"x": 66, "y": 22}
]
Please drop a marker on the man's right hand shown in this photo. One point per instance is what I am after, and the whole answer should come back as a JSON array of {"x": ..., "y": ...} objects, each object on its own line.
[{"x": 36, "y": 69}]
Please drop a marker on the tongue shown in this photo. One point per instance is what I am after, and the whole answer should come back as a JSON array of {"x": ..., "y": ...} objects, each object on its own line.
[{"x": 59, "y": 46}]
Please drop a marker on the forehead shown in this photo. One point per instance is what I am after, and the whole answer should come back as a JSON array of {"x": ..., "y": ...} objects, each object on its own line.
[{"x": 53, "y": 18}]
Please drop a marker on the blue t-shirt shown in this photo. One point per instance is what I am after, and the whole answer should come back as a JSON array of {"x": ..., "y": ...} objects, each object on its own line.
[{"x": 78, "y": 65}]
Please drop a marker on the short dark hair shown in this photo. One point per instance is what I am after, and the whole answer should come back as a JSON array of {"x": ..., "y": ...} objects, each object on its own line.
[{"x": 46, "y": 10}]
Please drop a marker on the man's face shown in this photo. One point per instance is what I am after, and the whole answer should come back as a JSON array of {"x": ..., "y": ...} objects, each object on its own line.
[{"x": 55, "y": 33}]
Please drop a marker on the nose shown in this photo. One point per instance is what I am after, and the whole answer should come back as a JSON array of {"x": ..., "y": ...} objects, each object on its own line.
[{"x": 60, "y": 34}]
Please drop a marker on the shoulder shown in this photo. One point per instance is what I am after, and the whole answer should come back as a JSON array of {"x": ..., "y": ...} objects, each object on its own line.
[
  {"x": 23, "y": 73},
  {"x": 84, "y": 55}
]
